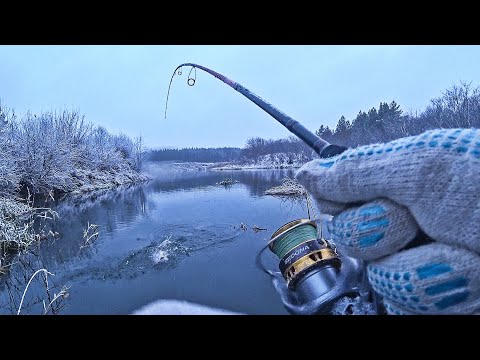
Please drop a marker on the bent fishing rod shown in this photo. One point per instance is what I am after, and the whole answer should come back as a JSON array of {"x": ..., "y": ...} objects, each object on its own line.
[
  {"x": 315, "y": 276},
  {"x": 319, "y": 145}
]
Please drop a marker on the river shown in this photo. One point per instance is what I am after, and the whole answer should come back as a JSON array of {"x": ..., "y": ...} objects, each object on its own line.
[{"x": 177, "y": 236}]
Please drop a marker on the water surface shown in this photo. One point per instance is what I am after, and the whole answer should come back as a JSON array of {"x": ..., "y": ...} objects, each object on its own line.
[{"x": 175, "y": 237}]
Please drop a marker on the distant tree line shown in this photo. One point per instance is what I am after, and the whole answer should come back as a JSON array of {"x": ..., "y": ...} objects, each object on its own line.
[
  {"x": 224, "y": 154},
  {"x": 257, "y": 146},
  {"x": 253, "y": 148},
  {"x": 458, "y": 106}
]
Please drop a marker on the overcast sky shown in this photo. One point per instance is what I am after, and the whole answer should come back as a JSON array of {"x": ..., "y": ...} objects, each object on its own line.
[{"x": 124, "y": 88}]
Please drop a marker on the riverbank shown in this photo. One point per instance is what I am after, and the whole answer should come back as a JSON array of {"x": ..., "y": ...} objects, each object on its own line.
[
  {"x": 269, "y": 161},
  {"x": 195, "y": 166},
  {"x": 264, "y": 162},
  {"x": 18, "y": 216},
  {"x": 199, "y": 219},
  {"x": 17, "y": 227},
  {"x": 255, "y": 167},
  {"x": 88, "y": 181},
  {"x": 54, "y": 153}
]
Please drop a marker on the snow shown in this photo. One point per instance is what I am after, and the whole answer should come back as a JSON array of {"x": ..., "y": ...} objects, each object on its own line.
[
  {"x": 16, "y": 225},
  {"x": 57, "y": 153},
  {"x": 89, "y": 180},
  {"x": 289, "y": 187},
  {"x": 269, "y": 161},
  {"x": 193, "y": 166}
]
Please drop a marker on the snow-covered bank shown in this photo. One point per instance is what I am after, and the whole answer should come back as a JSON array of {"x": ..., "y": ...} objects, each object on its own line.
[
  {"x": 270, "y": 161},
  {"x": 289, "y": 187},
  {"x": 17, "y": 218},
  {"x": 255, "y": 167},
  {"x": 56, "y": 153},
  {"x": 194, "y": 166},
  {"x": 87, "y": 181}
]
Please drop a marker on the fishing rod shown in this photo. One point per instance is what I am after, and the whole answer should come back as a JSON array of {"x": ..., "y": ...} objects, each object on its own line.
[
  {"x": 313, "y": 276},
  {"x": 323, "y": 148}
]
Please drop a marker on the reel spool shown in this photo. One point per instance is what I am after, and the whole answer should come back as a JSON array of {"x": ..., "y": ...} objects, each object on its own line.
[
  {"x": 314, "y": 274},
  {"x": 299, "y": 250}
]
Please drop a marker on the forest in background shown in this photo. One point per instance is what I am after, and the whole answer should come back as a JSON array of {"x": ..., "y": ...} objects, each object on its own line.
[
  {"x": 195, "y": 154},
  {"x": 458, "y": 106}
]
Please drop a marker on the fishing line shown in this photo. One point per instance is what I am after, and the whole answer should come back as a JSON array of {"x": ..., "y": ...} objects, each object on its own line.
[
  {"x": 190, "y": 78},
  {"x": 312, "y": 276},
  {"x": 190, "y": 81},
  {"x": 320, "y": 146},
  {"x": 310, "y": 206},
  {"x": 259, "y": 263},
  {"x": 168, "y": 92}
]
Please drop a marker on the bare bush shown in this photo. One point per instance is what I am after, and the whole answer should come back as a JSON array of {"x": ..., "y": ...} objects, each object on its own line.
[
  {"x": 45, "y": 152},
  {"x": 55, "y": 152},
  {"x": 9, "y": 169}
]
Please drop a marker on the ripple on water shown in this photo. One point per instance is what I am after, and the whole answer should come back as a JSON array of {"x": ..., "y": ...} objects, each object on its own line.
[{"x": 168, "y": 247}]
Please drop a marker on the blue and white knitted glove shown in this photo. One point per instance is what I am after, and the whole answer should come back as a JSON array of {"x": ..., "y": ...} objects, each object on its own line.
[{"x": 382, "y": 194}]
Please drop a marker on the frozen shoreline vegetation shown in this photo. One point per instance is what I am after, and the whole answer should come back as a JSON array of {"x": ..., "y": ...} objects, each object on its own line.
[
  {"x": 87, "y": 181},
  {"x": 289, "y": 187},
  {"x": 262, "y": 162},
  {"x": 194, "y": 166},
  {"x": 257, "y": 153},
  {"x": 16, "y": 227},
  {"x": 52, "y": 154},
  {"x": 269, "y": 161}
]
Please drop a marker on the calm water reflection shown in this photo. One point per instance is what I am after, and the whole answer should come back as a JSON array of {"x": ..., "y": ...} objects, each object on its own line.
[{"x": 177, "y": 236}]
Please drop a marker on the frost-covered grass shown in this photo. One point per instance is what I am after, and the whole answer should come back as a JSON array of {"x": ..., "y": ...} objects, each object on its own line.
[
  {"x": 56, "y": 153},
  {"x": 16, "y": 226},
  {"x": 289, "y": 187},
  {"x": 60, "y": 152},
  {"x": 14, "y": 231},
  {"x": 87, "y": 180},
  {"x": 292, "y": 191}
]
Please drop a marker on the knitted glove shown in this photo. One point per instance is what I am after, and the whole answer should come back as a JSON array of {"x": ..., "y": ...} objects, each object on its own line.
[{"x": 382, "y": 194}]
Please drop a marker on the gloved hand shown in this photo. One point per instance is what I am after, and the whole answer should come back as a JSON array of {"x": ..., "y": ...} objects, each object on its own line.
[{"x": 381, "y": 195}]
